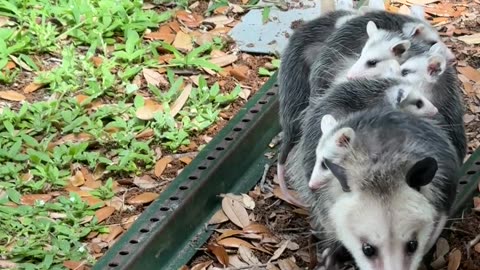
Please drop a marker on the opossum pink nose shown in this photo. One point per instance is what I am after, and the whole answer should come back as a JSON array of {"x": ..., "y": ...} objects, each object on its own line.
[{"x": 434, "y": 112}]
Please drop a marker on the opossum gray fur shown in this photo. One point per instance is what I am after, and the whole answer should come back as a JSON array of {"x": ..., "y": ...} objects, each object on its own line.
[
  {"x": 295, "y": 68},
  {"x": 377, "y": 155},
  {"x": 356, "y": 95}
]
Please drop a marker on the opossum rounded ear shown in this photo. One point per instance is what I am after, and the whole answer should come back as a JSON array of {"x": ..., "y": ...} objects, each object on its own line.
[
  {"x": 371, "y": 28},
  {"x": 436, "y": 66},
  {"x": 413, "y": 29},
  {"x": 422, "y": 173},
  {"x": 328, "y": 123},
  {"x": 400, "y": 47},
  {"x": 437, "y": 48},
  {"x": 340, "y": 173},
  {"x": 344, "y": 136}
]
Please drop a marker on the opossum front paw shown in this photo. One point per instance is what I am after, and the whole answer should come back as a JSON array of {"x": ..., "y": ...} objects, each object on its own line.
[{"x": 325, "y": 260}]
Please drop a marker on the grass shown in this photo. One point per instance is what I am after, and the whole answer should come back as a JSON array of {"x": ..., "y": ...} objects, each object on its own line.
[{"x": 87, "y": 56}]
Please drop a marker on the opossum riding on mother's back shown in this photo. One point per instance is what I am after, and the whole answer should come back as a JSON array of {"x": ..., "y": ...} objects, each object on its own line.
[{"x": 395, "y": 182}]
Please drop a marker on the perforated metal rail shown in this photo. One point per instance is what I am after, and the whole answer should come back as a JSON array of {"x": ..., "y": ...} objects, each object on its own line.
[
  {"x": 173, "y": 227},
  {"x": 167, "y": 234}
]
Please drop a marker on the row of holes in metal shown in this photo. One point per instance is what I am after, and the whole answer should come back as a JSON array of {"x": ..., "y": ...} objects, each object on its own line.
[
  {"x": 254, "y": 110},
  {"x": 471, "y": 172}
]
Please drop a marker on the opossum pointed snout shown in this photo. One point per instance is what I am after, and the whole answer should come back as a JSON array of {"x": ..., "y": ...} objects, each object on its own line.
[{"x": 434, "y": 111}]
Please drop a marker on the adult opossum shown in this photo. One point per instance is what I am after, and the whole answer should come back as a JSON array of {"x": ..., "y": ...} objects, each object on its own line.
[
  {"x": 306, "y": 43},
  {"x": 396, "y": 183}
]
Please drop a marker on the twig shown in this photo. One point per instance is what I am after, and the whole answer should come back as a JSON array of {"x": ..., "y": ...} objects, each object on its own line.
[
  {"x": 181, "y": 155},
  {"x": 264, "y": 177},
  {"x": 474, "y": 241},
  {"x": 247, "y": 267}
]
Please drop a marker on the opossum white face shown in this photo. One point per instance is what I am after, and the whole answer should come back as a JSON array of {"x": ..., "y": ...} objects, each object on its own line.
[
  {"x": 424, "y": 32},
  {"x": 384, "y": 235},
  {"x": 384, "y": 227},
  {"x": 424, "y": 68},
  {"x": 407, "y": 98},
  {"x": 329, "y": 147},
  {"x": 380, "y": 46}
]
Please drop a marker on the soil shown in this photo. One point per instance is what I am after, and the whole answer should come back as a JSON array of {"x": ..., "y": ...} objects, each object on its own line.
[{"x": 459, "y": 236}]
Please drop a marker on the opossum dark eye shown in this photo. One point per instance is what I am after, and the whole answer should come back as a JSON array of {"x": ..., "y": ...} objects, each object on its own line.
[
  {"x": 412, "y": 247},
  {"x": 372, "y": 63},
  {"x": 369, "y": 250},
  {"x": 419, "y": 104},
  {"x": 405, "y": 72},
  {"x": 324, "y": 166}
]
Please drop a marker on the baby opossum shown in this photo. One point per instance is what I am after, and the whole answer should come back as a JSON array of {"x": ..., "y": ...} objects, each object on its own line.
[
  {"x": 433, "y": 74},
  {"x": 293, "y": 78},
  {"x": 396, "y": 179},
  {"x": 356, "y": 95}
]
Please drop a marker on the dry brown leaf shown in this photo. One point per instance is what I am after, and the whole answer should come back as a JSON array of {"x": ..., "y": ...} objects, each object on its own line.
[
  {"x": 186, "y": 160},
  {"x": 183, "y": 41},
  {"x": 442, "y": 247},
  {"x": 220, "y": 253},
  {"x": 181, "y": 100},
  {"x": 404, "y": 10},
  {"x": 248, "y": 202},
  {"x": 31, "y": 198},
  {"x": 202, "y": 266},
  {"x": 470, "y": 73},
  {"x": 143, "y": 198},
  {"x": 74, "y": 265},
  {"x": 422, "y": 2},
  {"x": 218, "y": 20},
  {"x": 145, "y": 182},
  {"x": 470, "y": 39},
  {"x": 271, "y": 266},
  {"x": 477, "y": 248},
  {"x": 279, "y": 251},
  {"x": 189, "y": 19},
  {"x": 128, "y": 222},
  {"x": 218, "y": 217},
  {"x": 152, "y": 77},
  {"x": 10, "y": 64},
  {"x": 245, "y": 93},
  {"x": 4, "y": 21},
  {"x": 224, "y": 60},
  {"x": 165, "y": 34},
  {"x": 104, "y": 213},
  {"x": 147, "y": 133},
  {"x": 20, "y": 63},
  {"x": 235, "y": 211},
  {"x": 161, "y": 165},
  {"x": 93, "y": 184},
  {"x": 476, "y": 203},
  {"x": 235, "y": 261},
  {"x": 91, "y": 200},
  {"x": 11, "y": 95},
  {"x": 454, "y": 260},
  {"x": 148, "y": 111},
  {"x": 77, "y": 180},
  {"x": 247, "y": 256},
  {"x": 234, "y": 242},
  {"x": 74, "y": 138},
  {"x": 97, "y": 61},
  {"x": 256, "y": 228},
  {"x": 288, "y": 264},
  {"x": 32, "y": 87},
  {"x": 115, "y": 231},
  {"x": 239, "y": 72},
  {"x": 228, "y": 233}
]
